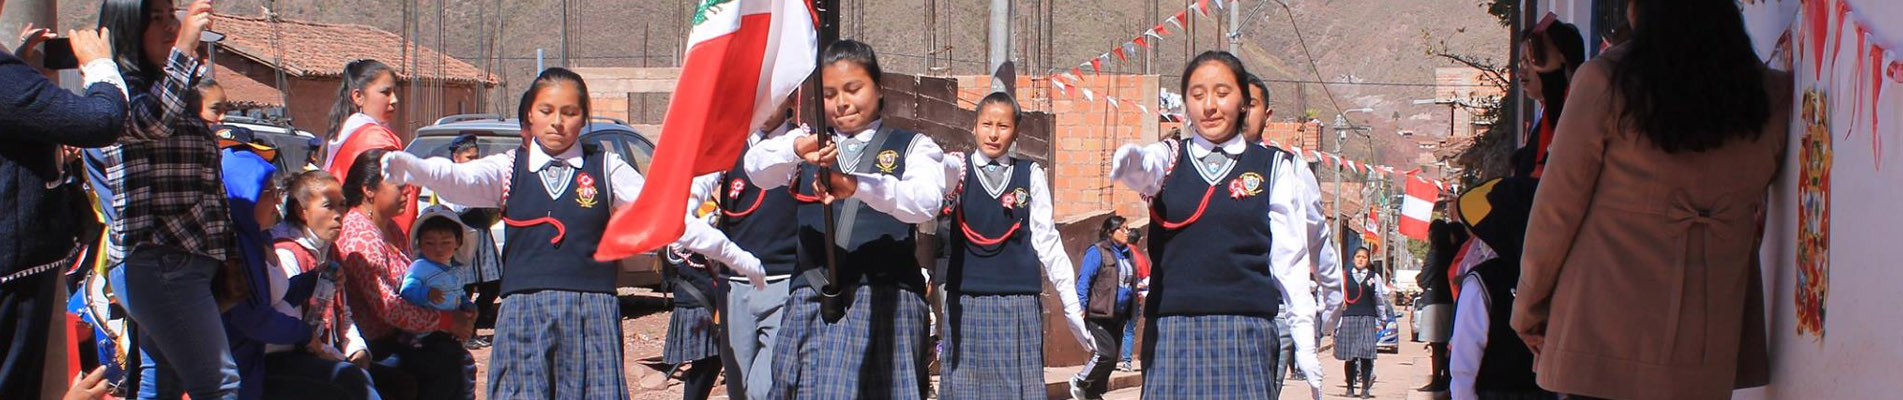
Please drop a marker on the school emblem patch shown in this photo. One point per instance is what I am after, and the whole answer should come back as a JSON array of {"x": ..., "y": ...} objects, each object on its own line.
[
  {"x": 585, "y": 191},
  {"x": 1247, "y": 185},
  {"x": 736, "y": 187},
  {"x": 888, "y": 161}
]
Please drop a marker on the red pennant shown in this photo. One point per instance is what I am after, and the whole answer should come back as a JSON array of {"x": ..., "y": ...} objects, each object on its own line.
[
  {"x": 1836, "y": 25},
  {"x": 1076, "y": 71},
  {"x": 1119, "y": 53},
  {"x": 1096, "y": 65},
  {"x": 1876, "y": 97},
  {"x": 1139, "y": 41},
  {"x": 1202, "y": 6},
  {"x": 1817, "y": 18},
  {"x": 1160, "y": 30},
  {"x": 1180, "y": 18}
]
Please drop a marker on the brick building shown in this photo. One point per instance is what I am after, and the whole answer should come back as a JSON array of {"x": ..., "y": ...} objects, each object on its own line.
[{"x": 311, "y": 57}]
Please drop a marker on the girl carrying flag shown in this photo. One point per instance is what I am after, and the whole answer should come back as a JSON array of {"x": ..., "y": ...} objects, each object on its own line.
[{"x": 558, "y": 333}]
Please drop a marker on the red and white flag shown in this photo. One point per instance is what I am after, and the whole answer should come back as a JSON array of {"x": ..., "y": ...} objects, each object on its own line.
[
  {"x": 743, "y": 58},
  {"x": 1418, "y": 208}
]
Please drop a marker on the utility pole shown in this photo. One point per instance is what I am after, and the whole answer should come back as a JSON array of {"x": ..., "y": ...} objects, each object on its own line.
[
  {"x": 1003, "y": 74},
  {"x": 1341, "y": 221},
  {"x": 1235, "y": 26}
]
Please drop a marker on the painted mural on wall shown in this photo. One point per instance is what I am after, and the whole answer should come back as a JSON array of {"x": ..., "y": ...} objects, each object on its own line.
[{"x": 1813, "y": 215}]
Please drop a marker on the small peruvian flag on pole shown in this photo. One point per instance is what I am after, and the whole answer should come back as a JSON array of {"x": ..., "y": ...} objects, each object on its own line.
[{"x": 1418, "y": 208}]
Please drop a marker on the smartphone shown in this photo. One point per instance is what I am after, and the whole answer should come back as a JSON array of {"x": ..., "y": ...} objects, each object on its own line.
[{"x": 58, "y": 54}]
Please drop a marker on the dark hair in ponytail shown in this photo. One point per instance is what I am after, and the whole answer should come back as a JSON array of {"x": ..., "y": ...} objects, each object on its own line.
[
  {"x": 547, "y": 78},
  {"x": 300, "y": 188},
  {"x": 357, "y": 76}
]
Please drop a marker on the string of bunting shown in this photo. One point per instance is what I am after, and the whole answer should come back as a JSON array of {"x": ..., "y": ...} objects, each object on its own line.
[
  {"x": 1330, "y": 160},
  {"x": 1064, "y": 81},
  {"x": 1825, "y": 25}
]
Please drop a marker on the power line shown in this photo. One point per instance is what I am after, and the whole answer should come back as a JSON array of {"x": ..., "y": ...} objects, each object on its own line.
[{"x": 1311, "y": 60}]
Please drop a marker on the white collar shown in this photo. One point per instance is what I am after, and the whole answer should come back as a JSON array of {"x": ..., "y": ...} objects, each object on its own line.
[
  {"x": 538, "y": 159},
  {"x": 978, "y": 159},
  {"x": 866, "y": 134},
  {"x": 1200, "y": 147}
]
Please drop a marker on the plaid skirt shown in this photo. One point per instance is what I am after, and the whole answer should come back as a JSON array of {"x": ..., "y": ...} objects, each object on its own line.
[
  {"x": 878, "y": 351},
  {"x": 1211, "y": 357},
  {"x": 690, "y": 336},
  {"x": 1356, "y": 337},
  {"x": 798, "y": 322},
  {"x": 557, "y": 344},
  {"x": 996, "y": 348}
]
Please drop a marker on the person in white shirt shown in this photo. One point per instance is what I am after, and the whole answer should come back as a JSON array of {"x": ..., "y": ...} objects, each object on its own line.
[
  {"x": 558, "y": 308},
  {"x": 1225, "y": 215},
  {"x": 1002, "y": 237},
  {"x": 1297, "y": 346},
  {"x": 879, "y": 182},
  {"x": 1365, "y": 295},
  {"x": 1488, "y": 360}
]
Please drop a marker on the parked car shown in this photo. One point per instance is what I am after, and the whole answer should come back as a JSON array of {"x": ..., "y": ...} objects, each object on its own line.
[
  {"x": 1414, "y": 317},
  {"x": 293, "y": 146},
  {"x": 1390, "y": 339},
  {"x": 495, "y": 134}
]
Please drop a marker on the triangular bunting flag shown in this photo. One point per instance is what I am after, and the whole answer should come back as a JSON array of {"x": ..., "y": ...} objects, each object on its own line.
[
  {"x": 1219, "y": 5},
  {"x": 1130, "y": 48},
  {"x": 1112, "y": 101},
  {"x": 1096, "y": 65},
  {"x": 1144, "y": 110},
  {"x": 1120, "y": 55},
  {"x": 1180, "y": 18},
  {"x": 1077, "y": 71},
  {"x": 1159, "y": 31},
  {"x": 1139, "y": 41},
  {"x": 1089, "y": 96},
  {"x": 1201, "y": 6}
]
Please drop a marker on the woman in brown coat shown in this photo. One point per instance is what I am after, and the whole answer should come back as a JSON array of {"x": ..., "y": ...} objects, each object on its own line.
[{"x": 1640, "y": 276}]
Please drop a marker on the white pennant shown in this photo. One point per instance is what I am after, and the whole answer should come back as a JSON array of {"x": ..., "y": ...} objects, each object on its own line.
[
  {"x": 1113, "y": 101},
  {"x": 1144, "y": 110},
  {"x": 1089, "y": 95},
  {"x": 1218, "y": 4}
]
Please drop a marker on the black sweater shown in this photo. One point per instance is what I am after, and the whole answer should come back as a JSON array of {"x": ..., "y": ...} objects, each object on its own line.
[{"x": 36, "y": 118}]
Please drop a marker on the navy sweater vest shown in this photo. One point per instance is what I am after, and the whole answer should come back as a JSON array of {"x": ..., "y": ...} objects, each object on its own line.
[
  {"x": 881, "y": 249},
  {"x": 1506, "y": 364},
  {"x": 1007, "y": 268},
  {"x": 761, "y": 222},
  {"x": 532, "y": 258},
  {"x": 1217, "y": 261},
  {"x": 1359, "y": 296}
]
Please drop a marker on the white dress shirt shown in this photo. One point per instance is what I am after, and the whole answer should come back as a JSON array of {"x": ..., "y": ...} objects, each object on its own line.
[
  {"x": 1144, "y": 169},
  {"x": 281, "y": 271},
  {"x": 480, "y": 183},
  {"x": 1471, "y": 322},
  {"x": 1058, "y": 269},
  {"x": 912, "y": 198}
]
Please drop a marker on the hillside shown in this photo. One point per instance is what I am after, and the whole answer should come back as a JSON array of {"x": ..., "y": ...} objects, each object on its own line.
[{"x": 1351, "y": 40}]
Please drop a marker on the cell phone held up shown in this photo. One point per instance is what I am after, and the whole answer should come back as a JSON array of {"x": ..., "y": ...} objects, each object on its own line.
[{"x": 57, "y": 54}]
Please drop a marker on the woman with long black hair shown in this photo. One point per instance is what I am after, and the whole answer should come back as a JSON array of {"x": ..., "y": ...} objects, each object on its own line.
[{"x": 1647, "y": 216}]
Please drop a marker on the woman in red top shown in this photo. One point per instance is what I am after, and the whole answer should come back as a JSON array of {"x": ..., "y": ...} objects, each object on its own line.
[
  {"x": 366, "y": 102},
  {"x": 425, "y": 342}
]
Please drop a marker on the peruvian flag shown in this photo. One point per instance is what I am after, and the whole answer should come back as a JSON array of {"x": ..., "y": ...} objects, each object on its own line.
[
  {"x": 1418, "y": 208},
  {"x": 743, "y": 58},
  {"x": 1372, "y": 228}
]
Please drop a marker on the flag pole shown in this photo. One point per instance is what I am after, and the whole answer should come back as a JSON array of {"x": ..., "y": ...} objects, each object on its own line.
[{"x": 815, "y": 106}]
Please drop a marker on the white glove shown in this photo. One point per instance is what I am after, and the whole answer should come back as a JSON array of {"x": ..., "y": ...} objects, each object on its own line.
[{"x": 749, "y": 266}]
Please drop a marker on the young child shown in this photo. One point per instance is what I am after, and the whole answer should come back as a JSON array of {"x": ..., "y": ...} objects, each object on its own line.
[
  {"x": 558, "y": 333},
  {"x": 1488, "y": 360},
  {"x": 883, "y": 181},
  {"x": 435, "y": 279},
  {"x": 1003, "y": 209},
  {"x": 1224, "y": 224}
]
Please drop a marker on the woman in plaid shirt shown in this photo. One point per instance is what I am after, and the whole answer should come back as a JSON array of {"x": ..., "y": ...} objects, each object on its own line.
[{"x": 171, "y": 203}]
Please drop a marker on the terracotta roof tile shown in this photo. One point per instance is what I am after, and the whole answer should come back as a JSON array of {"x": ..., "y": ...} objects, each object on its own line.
[{"x": 320, "y": 50}]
